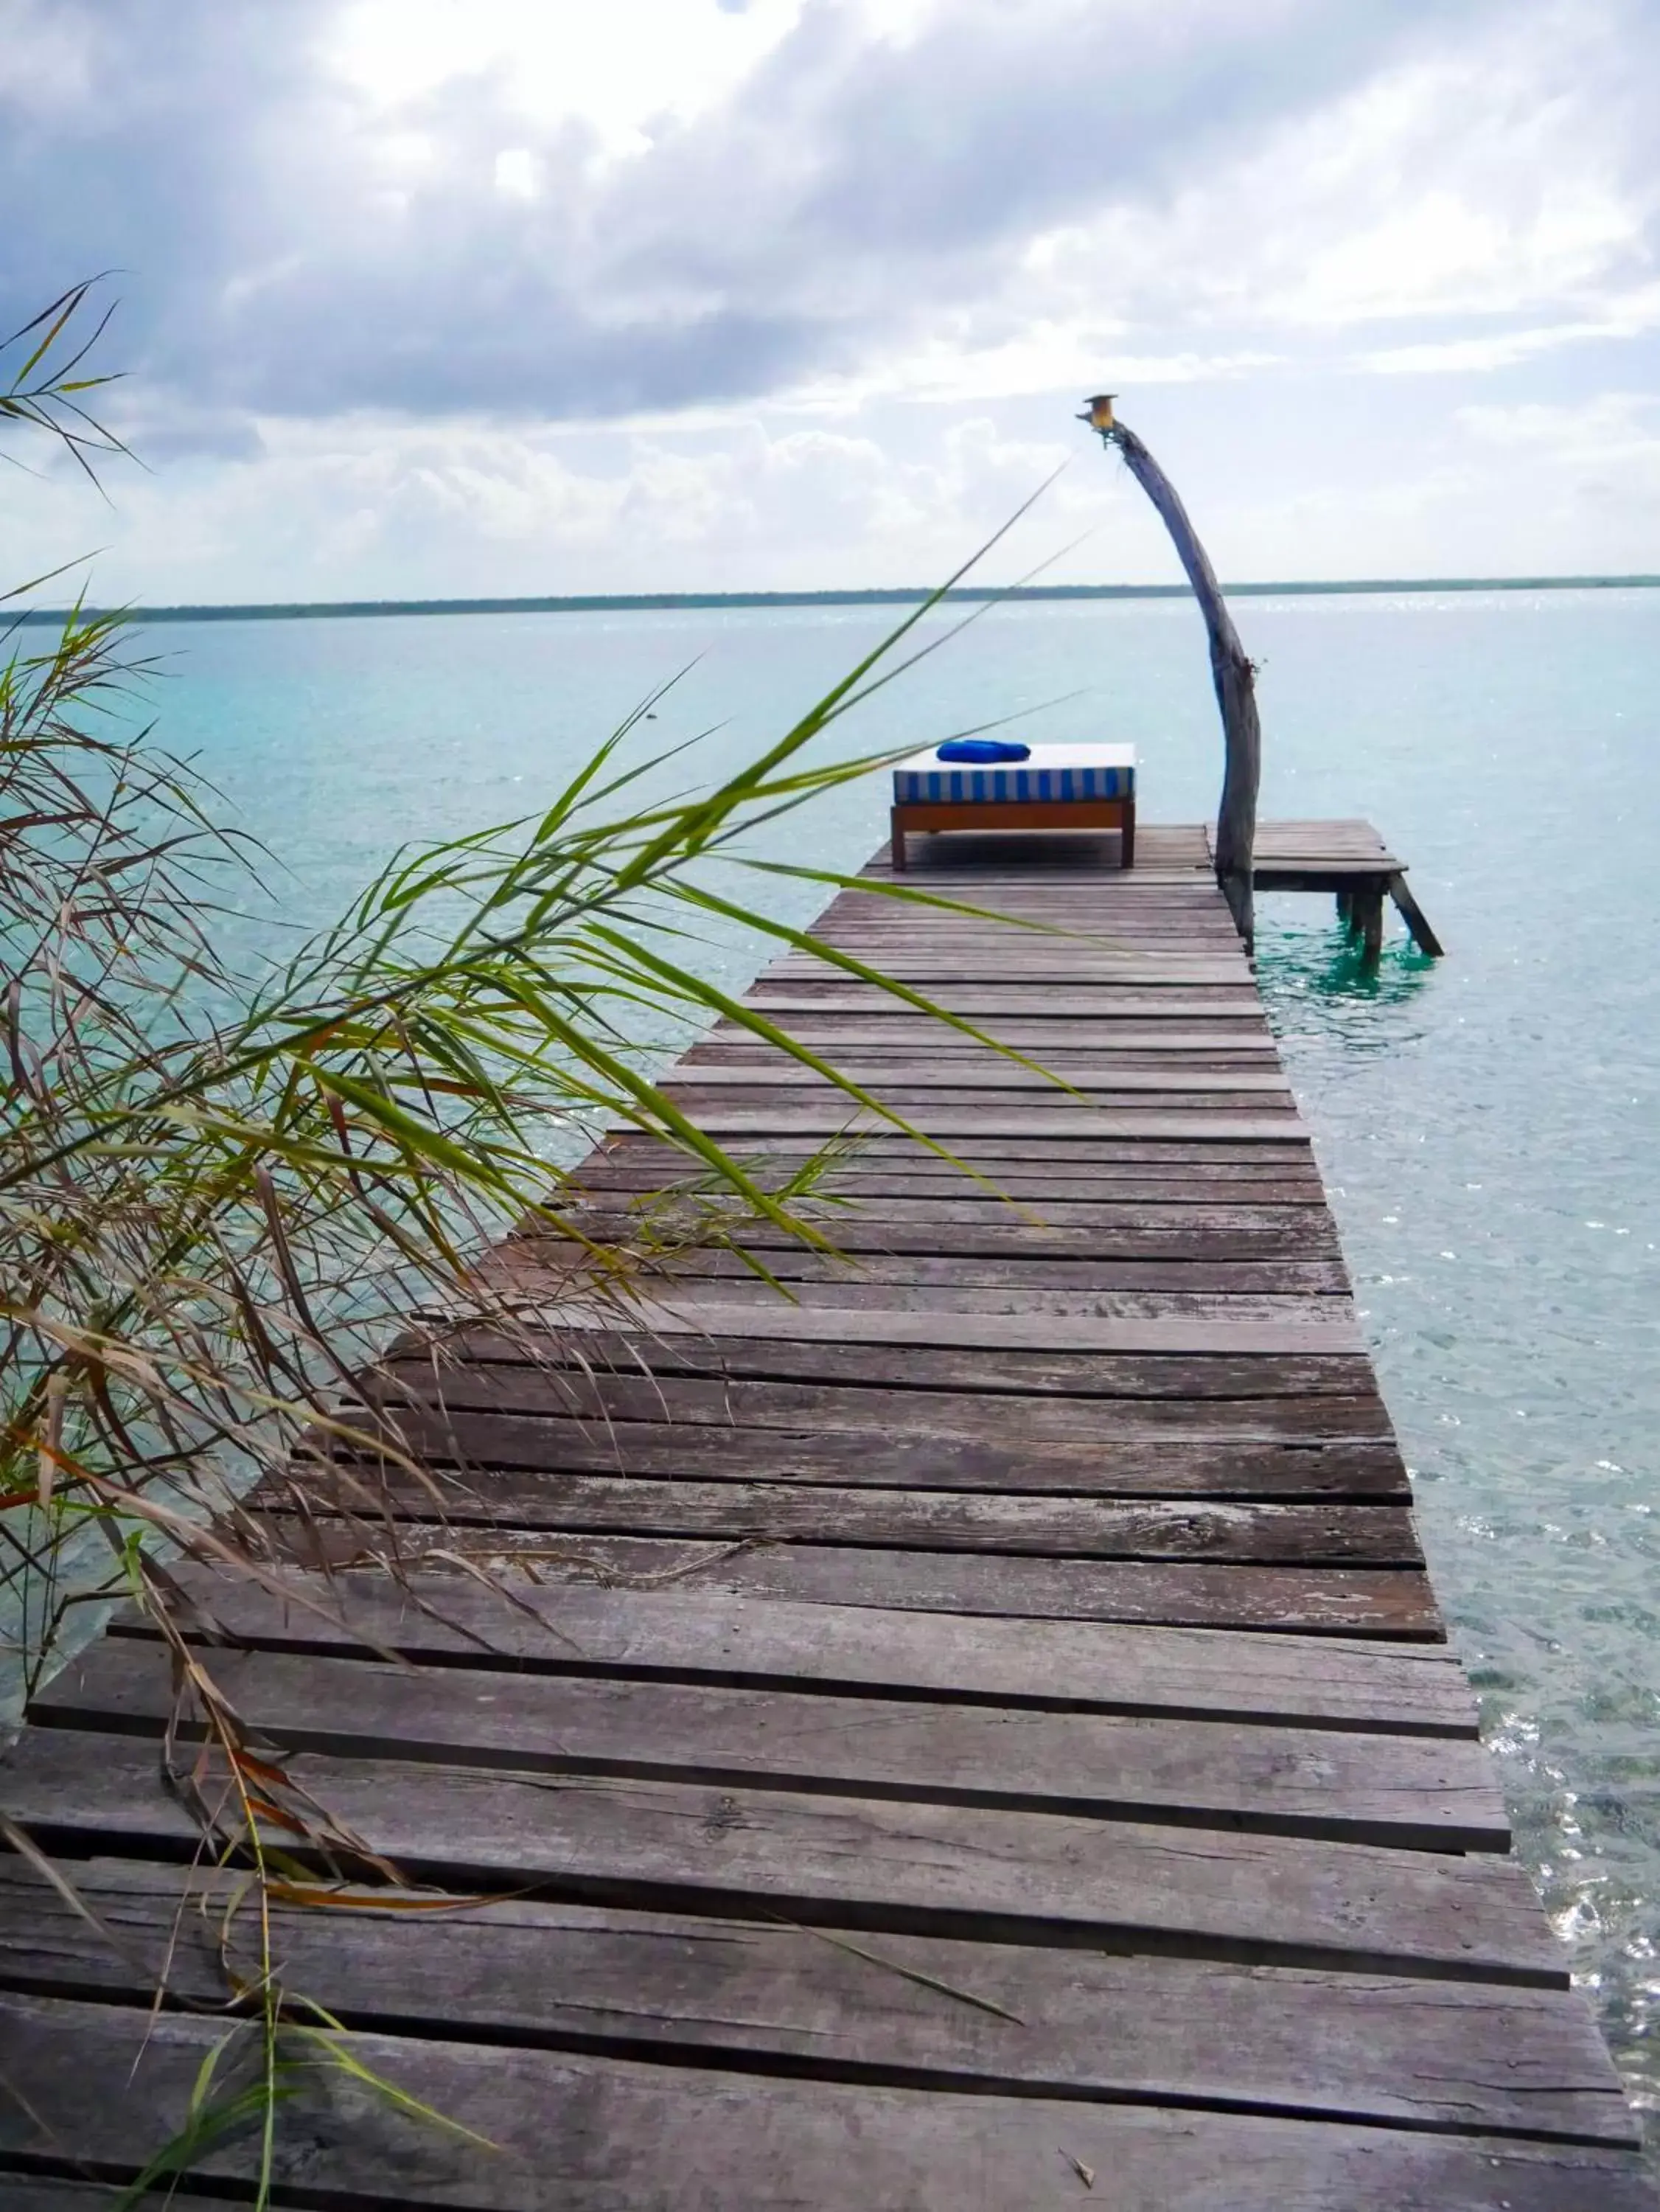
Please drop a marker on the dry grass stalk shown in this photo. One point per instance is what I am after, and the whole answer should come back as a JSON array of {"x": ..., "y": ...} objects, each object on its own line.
[{"x": 222, "y": 1194}]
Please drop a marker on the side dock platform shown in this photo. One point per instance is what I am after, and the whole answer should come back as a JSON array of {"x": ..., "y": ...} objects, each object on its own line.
[{"x": 979, "y": 1734}]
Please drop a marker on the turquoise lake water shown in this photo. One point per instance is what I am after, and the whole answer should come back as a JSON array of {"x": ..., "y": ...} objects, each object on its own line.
[{"x": 1489, "y": 1126}]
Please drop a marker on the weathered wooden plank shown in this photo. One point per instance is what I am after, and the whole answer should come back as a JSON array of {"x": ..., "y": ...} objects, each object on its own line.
[
  {"x": 1153, "y": 963},
  {"x": 1143, "y": 1081},
  {"x": 574, "y": 2132},
  {"x": 591, "y": 1393},
  {"x": 642, "y": 1186},
  {"x": 996, "y": 1231},
  {"x": 916, "y": 1063},
  {"x": 980, "y": 1119},
  {"x": 1097, "y": 923},
  {"x": 1106, "y": 1217},
  {"x": 1321, "y": 859},
  {"x": 1225, "y": 1277},
  {"x": 988, "y": 1152},
  {"x": 846, "y": 1288},
  {"x": 680, "y": 1263},
  {"x": 1209, "y": 1173},
  {"x": 943, "y": 1368},
  {"x": 1108, "y": 1207},
  {"x": 985, "y": 1003},
  {"x": 1172, "y": 948},
  {"x": 935, "y": 1520},
  {"x": 1093, "y": 913},
  {"x": 1440, "y": 2055},
  {"x": 1149, "y": 960},
  {"x": 1014, "y": 927},
  {"x": 908, "y": 1031},
  {"x": 1027, "y": 953},
  {"x": 894, "y": 1025},
  {"x": 1327, "y": 1600},
  {"x": 789, "y": 1322},
  {"x": 1008, "y": 919},
  {"x": 1091, "y": 909},
  {"x": 684, "y": 1631},
  {"x": 1150, "y": 963},
  {"x": 1106, "y": 1042},
  {"x": 1062, "y": 1020},
  {"x": 923, "y": 1103},
  {"x": 1175, "y": 945},
  {"x": 1105, "y": 1214},
  {"x": 1158, "y": 1467},
  {"x": 1065, "y": 1880},
  {"x": 998, "y": 1105},
  {"x": 1017, "y": 910},
  {"x": 37, "y": 2193},
  {"x": 1414, "y": 1792},
  {"x": 1109, "y": 1204},
  {"x": 779, "y": 1071},
  {"x": 1104, "y": 1228},
  {"x": 1160, "y": 922},
  {"x": 1020, "y": 917},
  {"x": 1029, "y": 971},
  {"x": 1148, "y": 967}
]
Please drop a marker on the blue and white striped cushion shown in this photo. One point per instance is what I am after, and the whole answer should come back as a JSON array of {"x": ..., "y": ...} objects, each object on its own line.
[{"x": 1052, "y": 772}]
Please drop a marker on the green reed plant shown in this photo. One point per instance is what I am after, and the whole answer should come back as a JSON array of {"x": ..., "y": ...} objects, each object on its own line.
[{"x": 222, "y": 1193}]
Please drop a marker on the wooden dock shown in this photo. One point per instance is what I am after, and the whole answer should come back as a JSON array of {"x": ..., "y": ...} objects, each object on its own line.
[
  {"x": 979, "y": 1736},
  {"x": 1351, "y": 861}
]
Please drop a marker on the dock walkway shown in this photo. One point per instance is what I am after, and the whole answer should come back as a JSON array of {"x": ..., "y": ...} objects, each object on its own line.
[{"x": 979, "y": 1736}]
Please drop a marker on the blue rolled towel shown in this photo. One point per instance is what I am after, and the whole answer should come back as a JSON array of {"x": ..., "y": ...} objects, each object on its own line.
[{"x": 983, "y": 751}]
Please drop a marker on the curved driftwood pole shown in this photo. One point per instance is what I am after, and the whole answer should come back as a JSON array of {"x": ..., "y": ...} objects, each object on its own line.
[{"x": 1231, "y": 668}]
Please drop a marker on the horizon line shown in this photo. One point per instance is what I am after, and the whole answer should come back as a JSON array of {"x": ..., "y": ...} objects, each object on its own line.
[{"x": 905, "y": 595}]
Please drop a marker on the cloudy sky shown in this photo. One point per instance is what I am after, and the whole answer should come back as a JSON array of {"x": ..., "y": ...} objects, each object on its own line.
[{"x": 457, "y": 296}]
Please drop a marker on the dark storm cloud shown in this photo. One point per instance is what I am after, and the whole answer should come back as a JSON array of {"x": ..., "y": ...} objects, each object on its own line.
[
  {"x": 850, "y": 191},
  {"x": 130, "y": 133}
]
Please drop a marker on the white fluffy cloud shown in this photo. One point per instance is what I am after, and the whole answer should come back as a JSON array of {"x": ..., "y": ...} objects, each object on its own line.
[{"x": 524, "y": 295}]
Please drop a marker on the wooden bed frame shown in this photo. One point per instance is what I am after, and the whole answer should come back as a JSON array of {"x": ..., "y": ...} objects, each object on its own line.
[{"x": 934, "y": 815}]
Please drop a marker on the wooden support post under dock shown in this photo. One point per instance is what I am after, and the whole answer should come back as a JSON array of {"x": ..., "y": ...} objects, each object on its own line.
[{"x": 979, "y": 1736}]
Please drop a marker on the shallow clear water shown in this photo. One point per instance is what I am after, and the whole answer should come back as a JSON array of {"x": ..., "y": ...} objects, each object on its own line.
[{"x": 1490, "y": 1125}]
